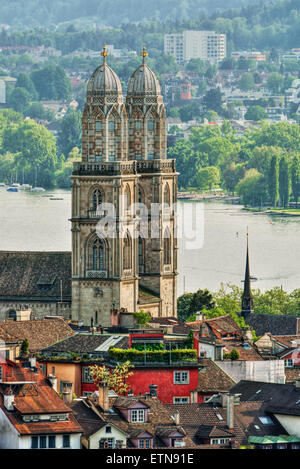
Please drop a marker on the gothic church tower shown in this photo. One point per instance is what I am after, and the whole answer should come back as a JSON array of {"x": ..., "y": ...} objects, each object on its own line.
[{"x": 123, "y": 163}]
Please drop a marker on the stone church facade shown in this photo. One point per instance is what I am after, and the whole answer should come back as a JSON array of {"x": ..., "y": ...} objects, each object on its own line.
[{"x": 123, "y": 164}]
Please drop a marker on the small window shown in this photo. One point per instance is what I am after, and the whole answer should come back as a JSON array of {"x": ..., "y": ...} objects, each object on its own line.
[
  {"x": 107, "y": 429},
  {"x": 66, "y": 441},
  {"x": 34, "y": 442},
  {"x": 150, "y": 125},
  {"x": 86, "y": 375},
  {"x": 138, "y": 125},
  {"x": 266, "y": 420},
  {"x": 111, "y": 126},
  {"x": 180, "y": 400},
  {"x": 144, "y": 443},
  {"x": 138, "y": 415},
  {"x": 52, "y": 441},
  {"x": 181, "y": 377},
  {"x": 98, "y": 126},
  {"x": 43, "y": 442}
]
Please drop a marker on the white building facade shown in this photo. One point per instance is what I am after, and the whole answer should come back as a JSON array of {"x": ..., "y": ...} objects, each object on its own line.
[{"x": 204, "y": 45}]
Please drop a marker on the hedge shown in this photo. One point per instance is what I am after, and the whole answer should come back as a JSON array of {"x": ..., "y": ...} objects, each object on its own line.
[{"x": 134, "y": 355}]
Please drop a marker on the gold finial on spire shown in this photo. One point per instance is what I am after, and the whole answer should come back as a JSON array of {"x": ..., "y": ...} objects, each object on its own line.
[
  {"x": 144, "y": 54},
  {"x": 104, "y": 54}
]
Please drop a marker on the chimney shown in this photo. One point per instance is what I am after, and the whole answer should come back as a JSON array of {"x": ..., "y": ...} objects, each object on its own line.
[
  {"x": 9, "y": 400},
  {"x": 176, "y": 417},
  {"x": 230, "y": 412},
  {"x": 67, "y": 392},
  {"x": 53, "y": 381},
  {"x": 32, "y": 361},
  {"x": 103, "y": 396},
  {"x": 153, "y": 390},
  {"x": 200, "y": 316}
]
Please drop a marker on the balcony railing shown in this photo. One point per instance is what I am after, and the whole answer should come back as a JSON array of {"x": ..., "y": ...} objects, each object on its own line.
[{"x": 123, "y": 167}]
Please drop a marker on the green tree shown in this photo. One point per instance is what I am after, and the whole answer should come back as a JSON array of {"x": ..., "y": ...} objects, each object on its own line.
[
  {"x": 24, "y": 347},
  {"x": 252, "y": 188},
  {"x": 62, "y": 175},
  {"x": 255, "y": 113},
  {"x": 51, "y": 82},
  {"x": 213, "y": 100},
  {"x": 189, "y": 112},
  {"x": 208, "y": 177},
  {"x": 273, "y": 181},
  {"x": 284, "y": 182},
  {"x": 247, "y": 82},
  {"x": 201, "y": 299},
  {"x": 19, "y": 99},
  {"x": 142, "y": 317},
  {"x": 24, "y": 81},
  {"x": 275, "y": 82},
  {"x": 232, "y": 174},
  {"x": 196, "y": 65},
  {"x": 37, "y": 151},
  {"x": 69, "y": 135},
  {"x": 184, "y": 306},
  {"x": 295, "y": 178}
]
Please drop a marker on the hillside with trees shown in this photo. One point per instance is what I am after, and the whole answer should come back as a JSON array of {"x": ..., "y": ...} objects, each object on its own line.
[{"x": 49, "y": 13}]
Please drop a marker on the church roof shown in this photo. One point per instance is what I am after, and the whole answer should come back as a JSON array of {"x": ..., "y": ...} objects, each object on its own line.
[
  {"x": 143, "y": 81},
  {"x": 104, "y": 81},
  {"x": 276, "y": 324},
  {"x": 35, "y": 275}
]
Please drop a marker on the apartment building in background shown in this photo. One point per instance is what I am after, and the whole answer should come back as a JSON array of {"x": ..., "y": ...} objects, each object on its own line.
[{"x": 205, "y": 45}]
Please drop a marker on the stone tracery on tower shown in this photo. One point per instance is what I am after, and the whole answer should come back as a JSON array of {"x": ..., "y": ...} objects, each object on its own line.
[{"x": 123, "y": 154}]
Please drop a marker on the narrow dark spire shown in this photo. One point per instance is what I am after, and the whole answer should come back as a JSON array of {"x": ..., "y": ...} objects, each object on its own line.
[{"x": 247, "y": 298}]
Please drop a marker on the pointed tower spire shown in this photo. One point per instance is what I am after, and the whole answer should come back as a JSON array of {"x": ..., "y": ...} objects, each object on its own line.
[
  {"x": 104, "y": 54},
  {"x": 247, "y": 297},
  {"x": 144, "y": 54}
]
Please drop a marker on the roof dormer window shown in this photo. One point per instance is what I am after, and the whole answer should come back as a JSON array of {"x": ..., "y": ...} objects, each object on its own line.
[{"x": 137, "y": 415}]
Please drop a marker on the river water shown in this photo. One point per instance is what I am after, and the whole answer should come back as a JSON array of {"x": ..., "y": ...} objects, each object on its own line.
[{"x": 32, "y": 222}]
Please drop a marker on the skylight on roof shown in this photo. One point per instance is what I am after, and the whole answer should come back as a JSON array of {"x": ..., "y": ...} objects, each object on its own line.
[
  {"x": 266, "y": 420},
  {"x": 219, "y": 416},
  {"x": 257, "y": 392},
  {"x": 257, "y": 427}
]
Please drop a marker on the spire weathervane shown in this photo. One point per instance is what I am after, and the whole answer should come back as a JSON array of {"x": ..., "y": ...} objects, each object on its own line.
[
  {"x": 104, "y": 54},
  {"x": 144, "y": 54}
]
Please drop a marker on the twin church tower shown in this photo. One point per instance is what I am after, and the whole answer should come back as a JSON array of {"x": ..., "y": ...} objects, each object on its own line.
[{"x": 124, "y": 163}]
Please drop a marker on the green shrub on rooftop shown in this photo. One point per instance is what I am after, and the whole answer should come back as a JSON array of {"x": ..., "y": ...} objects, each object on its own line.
[{"x": 134, "y": 355}]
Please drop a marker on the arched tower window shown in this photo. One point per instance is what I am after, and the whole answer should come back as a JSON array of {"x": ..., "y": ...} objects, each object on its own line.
[
  {"x": 167, "y": 194},
  {"x": 97, "y": 198},
  {"x": 141, "y": 256},
  {"x": 97, "y": 255},
  {"x": 167, "y": 247},
  {"x": 127, "y": 197},
  {"x": 127, "y": 253}
]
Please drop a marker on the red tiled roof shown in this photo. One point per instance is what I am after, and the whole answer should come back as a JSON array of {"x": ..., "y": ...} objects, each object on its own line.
[{"x": 39, "y": 399}]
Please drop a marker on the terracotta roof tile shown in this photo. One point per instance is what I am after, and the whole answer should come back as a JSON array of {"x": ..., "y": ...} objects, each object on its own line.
[
  {"x": 213, "y": 378},
  {"x": 40, "y": 332}
]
